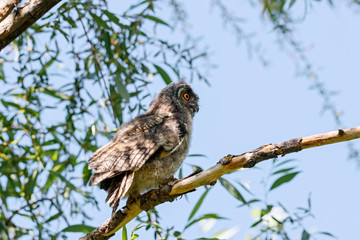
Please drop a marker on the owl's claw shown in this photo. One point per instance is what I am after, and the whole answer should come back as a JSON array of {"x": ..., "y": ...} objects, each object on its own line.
[
  {"x": 131, "y": 199},
  {"x": 169, "y": 182},
  {"x": 172, "y": 180},
  {"x": 114, "y": 209}
]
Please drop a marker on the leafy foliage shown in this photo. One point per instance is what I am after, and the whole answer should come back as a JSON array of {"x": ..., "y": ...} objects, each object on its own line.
[{"x": 71, "y": 78}]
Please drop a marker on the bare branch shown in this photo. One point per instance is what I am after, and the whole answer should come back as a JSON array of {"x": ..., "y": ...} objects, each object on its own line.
[
  {"x": 18, "y": 21},
  {"x": 208, "y": 177}
]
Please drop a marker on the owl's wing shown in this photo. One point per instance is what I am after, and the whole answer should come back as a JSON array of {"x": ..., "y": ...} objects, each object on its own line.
[{"x": 131, "y": 147}]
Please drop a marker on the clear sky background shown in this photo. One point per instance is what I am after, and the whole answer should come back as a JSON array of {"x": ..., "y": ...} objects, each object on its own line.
[{"x": 249, "y": 104}]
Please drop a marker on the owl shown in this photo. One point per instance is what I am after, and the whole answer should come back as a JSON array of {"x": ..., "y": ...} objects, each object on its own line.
[{"x": 148, "y": 150}]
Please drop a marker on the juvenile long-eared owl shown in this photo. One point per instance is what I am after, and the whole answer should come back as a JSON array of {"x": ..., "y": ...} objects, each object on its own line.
[{"x": 147, "y": 151}]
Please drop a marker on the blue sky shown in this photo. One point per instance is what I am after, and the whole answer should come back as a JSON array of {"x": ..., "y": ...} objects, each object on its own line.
[{"x": 249, "y": 104}]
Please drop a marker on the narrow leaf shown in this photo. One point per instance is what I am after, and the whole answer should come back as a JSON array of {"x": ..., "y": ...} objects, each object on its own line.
[
  {"x": 107, "y": 42},
  {"x": 71, "y": 186},
  {"x": 305, "y": 235},
  {"x": 285, "y": 162},
  {"x": 232, "y": 190},
  {"x": 78, "y": 228},
  {"x": 53, "y": 217},
  {"x": 30, "y": 185},
  {"x": 283, "y": 179},
  {"x": 121, "y": 89},
  {"x": 163, "y": 74},
  {"x": 283, "y": 170},
  {"x": 206, "y": 216},
  {"x": 156, "y": 19},
  {"x": 124, "y": 233},
  {"x": 198, "y": 204},
  {"x": 327, "y": 234},
  {"x": 291, "y": 3},
  {"x": 100, "y": 22},
  {"x": 256, "y": 223}
]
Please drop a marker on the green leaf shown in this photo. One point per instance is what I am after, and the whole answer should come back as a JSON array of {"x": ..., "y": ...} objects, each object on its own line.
[
  {"x": 56, "y": 94},
  {"x": 156, "y": 19},
  {"x": 30, "y": 184},
  {"x": 46, "y": 66},
  {"x": 133, "y": 232},
  {"x": 177, "y": 234},
  {"x": 327, "y": 234},
  {"x": 248, "y": 203},
  {"x": 283, "y": 170},
  {"x": 256, "y": 223},
  {"x": 231, "y": 189},
  {"x": 114, "y": 18},
  {"x": 291, "y": 3},
  {"x": 206, "y": 216},
  {"x": 78, "y": 228},
  {"x": 263, "y": 212},
  {"x": 134, "y": 236},
  {"x": 116, "y": 103},
  {"x": 53, "y": 217},
  {"x": 32, "y": 112},
  {"x": 124, "y": 233},
  {"x": 50, "y": 179},
  {"x": 196, "y": 168},
  {"x": 4, "y": 234},
  {"x": 181, "y": 174},
  {"x": 86, "y": 174},
  {"x": 305, "y": 235},
  {"x": 6, "y": 104},
  {"x": 163, "y": 74},
  {"x": 283, "y": 179},
  {"x": 71, "y": 186},
  {"x": 107, "y": 42},
  {"x": 121, "y": 89},
  {"x": 198, "y": 204},
  {"x": 285, "y": 162},
  {"x": 244, "y": 187},
  {"x": 100, "y": 22}
]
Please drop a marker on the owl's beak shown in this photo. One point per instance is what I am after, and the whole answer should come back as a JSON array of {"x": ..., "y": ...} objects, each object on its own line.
[{"x": 195, "y": 108}]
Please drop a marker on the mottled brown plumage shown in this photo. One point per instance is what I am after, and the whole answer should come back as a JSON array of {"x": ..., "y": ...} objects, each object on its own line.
[{"x": 147, "y": 151}]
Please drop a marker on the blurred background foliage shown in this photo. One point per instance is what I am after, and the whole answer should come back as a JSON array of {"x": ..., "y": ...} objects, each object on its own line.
[{"x": 78, "y": 74}]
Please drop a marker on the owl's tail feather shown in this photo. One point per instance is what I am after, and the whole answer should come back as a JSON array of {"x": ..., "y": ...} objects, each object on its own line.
[
  {"x": 100, "y": 176},
  {"x": 119, "y": 189}
]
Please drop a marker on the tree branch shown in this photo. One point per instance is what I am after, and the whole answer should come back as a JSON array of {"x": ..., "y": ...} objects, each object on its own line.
[
  {"x": 227, "y": 164},
  {"x": 6, "y": 6},
  {"x": 17, "y": 22}
]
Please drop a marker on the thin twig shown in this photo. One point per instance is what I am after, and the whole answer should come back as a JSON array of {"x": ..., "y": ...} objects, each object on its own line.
[
  {"x": 28, "y": 204},
  {"x": 96, "y": 61}
]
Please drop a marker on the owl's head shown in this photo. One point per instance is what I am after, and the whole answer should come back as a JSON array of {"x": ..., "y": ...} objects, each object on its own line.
[{"x": 179, "y": 96}]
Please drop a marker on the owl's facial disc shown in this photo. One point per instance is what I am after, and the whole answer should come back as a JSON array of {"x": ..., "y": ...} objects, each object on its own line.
[{"x": 188, "y": 98}]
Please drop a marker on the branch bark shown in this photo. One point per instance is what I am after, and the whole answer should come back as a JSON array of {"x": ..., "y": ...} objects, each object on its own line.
[
  {"x": 6, "y": 6},
  {"x": 12, "y": 25},
  {"x": 227, "y": 164}
]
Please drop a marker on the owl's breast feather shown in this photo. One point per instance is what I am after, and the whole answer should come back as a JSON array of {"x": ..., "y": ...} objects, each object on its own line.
[{"x": 158, "y": 170}]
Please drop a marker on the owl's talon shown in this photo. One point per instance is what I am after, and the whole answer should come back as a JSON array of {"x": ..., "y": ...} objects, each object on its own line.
[
  {"x": 113, "y": 213},
  {"x": 172, "y": 180},
  {"x": 131, "y": 199},
  {"x": 125, "y": 207}
]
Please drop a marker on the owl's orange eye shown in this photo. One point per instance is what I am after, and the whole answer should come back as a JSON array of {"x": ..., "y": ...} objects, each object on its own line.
[{"x": 186, "y": 96}]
